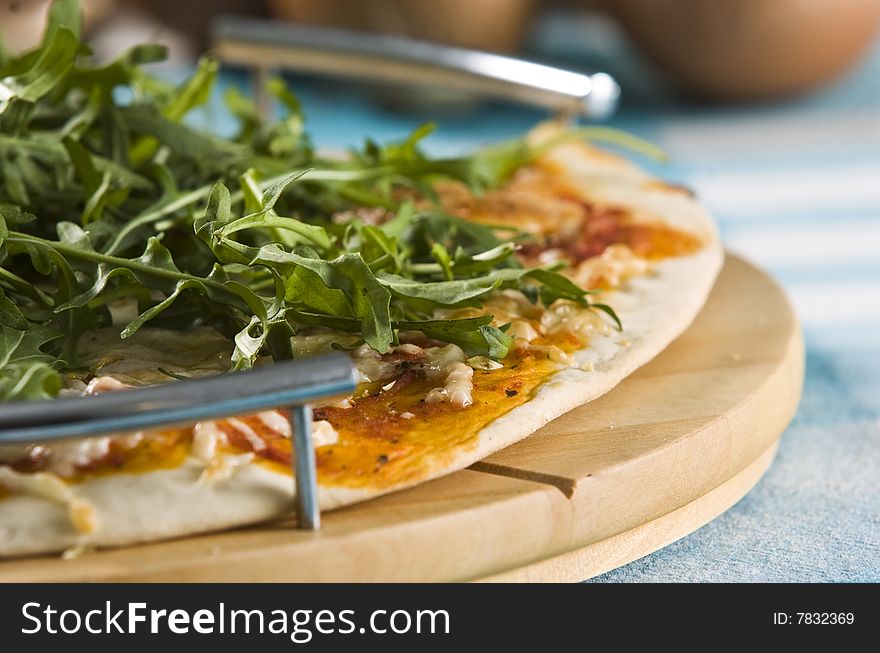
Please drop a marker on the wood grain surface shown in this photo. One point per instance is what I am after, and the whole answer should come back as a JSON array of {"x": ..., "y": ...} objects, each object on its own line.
[{"x": 670, "y": 448}]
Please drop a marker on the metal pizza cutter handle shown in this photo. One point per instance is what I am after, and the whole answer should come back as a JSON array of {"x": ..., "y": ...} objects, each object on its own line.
[{"x": 262, "y": 45}]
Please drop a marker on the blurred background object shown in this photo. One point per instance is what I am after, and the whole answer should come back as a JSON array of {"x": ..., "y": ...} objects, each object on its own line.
[
  {"x": 500, "y": 25},
  {"x": 750, "y": 49},
  {"x": 191, "y": 19},
  {"x": 721, "y": 49},
  {"x": 416, "y": 67},
  {"x": 21, "y": 21}
]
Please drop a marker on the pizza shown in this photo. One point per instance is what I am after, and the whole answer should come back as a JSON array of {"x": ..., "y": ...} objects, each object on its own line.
[
  {"x": 474, "y": 313},
  {"x": 423, "y": 409}
]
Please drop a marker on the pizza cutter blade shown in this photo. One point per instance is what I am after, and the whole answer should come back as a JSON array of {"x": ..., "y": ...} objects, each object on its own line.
[
  {"x": 263, "y": 44},
  {"x": 290, "y": 384}
]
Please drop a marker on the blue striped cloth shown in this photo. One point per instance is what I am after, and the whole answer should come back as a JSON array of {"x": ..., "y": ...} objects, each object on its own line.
[{"x": 796, "y": 189}]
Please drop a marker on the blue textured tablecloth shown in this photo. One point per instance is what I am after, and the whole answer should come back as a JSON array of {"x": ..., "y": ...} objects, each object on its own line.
[{"x": 796, "y": 188}]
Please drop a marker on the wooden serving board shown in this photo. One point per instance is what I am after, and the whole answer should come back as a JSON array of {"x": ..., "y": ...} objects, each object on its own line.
[{"x": 669, "y": 449}]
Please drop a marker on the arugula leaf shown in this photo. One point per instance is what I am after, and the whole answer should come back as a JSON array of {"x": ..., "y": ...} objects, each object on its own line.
[
  {"x": 26, "y": 371},
  {"x": 440, "y": 293},
  {"x": 264, "y": 217},
  {"x": 368, "y": 300},
  {"x": 63, "y": 13},
  {"x": 53, "y": 63},
  {"x": 107, "y": 194},
  {"x": 474, "y": 335},
  {"x": 192, "y": 93}
]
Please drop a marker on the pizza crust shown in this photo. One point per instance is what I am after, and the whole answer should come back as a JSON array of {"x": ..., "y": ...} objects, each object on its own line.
[
  {"x": 162, "y": 504},
  {"x": 653, "y": 316},
  {"x": 654, "y": 309}
]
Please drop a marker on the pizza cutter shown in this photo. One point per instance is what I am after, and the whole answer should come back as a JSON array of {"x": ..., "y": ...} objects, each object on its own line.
[
  {"x": 290, "y": 384},
  {"x": 263, "y": 45}
]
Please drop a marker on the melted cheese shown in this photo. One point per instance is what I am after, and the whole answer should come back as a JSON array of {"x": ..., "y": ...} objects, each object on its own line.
[
  {"x": 510, "y": 305},
  {"x": 275, "y": 421},
  {"x": 483, "y": 363},
  {"x": 101, "y": 384},
  {"x": 434, "y": 362},
  {"x": 547, "y": 352},
  {"x": 567, "y": 317},
  {"x": 222, "y": 468},
  {"x": 323, "y": 433},
  {"x": 370, "y": 364},
  {"x": 611, "y": 269},
  {"x": 66, "y": 455},
  {"x": 207, "y": 436},
  {"x": 523, "y": 330},
  {"x": 440, "y": 359},
  {"x": 458, "y": 389}
]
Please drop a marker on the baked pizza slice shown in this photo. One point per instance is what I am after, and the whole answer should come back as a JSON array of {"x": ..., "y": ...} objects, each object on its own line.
[
  {"x": 479, "y": 297},
  {"x": 425, "y": 407}
]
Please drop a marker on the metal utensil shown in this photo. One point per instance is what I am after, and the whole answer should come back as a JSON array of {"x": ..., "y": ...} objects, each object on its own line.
[
  {"x": 263, "y": 45},
  {"x": 289, "y": 384}
]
